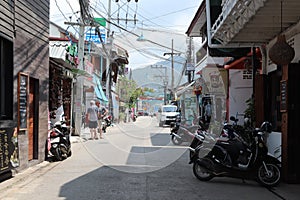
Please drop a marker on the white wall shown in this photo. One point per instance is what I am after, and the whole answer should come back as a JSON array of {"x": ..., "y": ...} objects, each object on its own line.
[
  {"x": 240, "y": 90},
  {"x": 274, "y": 144}
]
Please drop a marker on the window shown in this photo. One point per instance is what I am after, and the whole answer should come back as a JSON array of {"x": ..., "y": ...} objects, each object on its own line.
[
  {"x": 170, "y": 109},
  {"x": 6, "y": 80}
]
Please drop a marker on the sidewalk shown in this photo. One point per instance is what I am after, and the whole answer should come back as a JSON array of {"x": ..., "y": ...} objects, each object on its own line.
[
  {"x": 85, "y": 133},
  {"x": 30, "y": 173}
]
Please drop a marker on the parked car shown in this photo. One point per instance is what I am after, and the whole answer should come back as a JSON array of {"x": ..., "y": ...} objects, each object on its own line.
[{"x": 168, "y": 114}]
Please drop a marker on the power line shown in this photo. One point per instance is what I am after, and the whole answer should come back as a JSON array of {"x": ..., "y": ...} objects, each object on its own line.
[
  {"x": 73, "y": 12},
  {"x": 124, "y": 29},
  {"x": 143, "y": 52},
  {"x": 170, "y": 13},
  {"x": 58, "y": 7}
]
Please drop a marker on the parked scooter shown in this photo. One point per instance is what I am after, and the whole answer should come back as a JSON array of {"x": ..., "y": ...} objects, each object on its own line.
[
  {"x": 233, "y": 157},
  {"x": 181, "y": 133},
  {"x": 60, "y": 141},
  {"x": 106, "y": 122}
]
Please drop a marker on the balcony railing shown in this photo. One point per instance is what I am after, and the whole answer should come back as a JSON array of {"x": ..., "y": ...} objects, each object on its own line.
[{"x": 235, "y": 14}]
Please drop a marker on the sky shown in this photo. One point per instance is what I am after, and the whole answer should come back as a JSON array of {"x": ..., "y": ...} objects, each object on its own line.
[{"x": 159, "y": 21}]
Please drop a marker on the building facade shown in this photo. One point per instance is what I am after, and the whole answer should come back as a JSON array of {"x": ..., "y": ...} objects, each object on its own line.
[
  {"x": 24, "y": 70},
  {"x": 263, "y": 24}
]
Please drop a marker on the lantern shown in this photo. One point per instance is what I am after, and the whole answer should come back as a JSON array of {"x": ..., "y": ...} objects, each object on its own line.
[{"x": 281, "y": 53}]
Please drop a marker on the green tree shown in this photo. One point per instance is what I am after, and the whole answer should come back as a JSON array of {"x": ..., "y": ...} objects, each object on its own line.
[{"x": 129, "y": 92}]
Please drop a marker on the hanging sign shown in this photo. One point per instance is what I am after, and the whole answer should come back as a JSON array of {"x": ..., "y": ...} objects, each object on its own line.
[
  {"x": 283, "y": 96},
  {"x": 22, "y": 101}
]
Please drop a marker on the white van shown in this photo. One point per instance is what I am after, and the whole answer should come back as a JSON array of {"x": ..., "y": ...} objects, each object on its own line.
[{"x": 168, "y": 114}]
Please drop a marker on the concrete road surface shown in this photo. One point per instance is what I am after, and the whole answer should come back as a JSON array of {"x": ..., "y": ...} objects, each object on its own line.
[{"x": 135, "y": 161}]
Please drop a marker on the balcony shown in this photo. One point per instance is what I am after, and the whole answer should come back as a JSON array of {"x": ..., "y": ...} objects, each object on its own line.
[{"x": 253, "y": 22}]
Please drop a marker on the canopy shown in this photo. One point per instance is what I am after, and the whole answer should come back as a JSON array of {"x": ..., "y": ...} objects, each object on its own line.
[{"x": 98, "y": 90}]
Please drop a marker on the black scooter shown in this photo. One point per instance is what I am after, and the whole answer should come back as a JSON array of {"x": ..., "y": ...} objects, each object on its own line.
[
  {"x": 106, "y": 122},
  {"x": 181, "y": 133},
  {"x": 233, "y": 157},
  {"x": 60, "y": 141}
]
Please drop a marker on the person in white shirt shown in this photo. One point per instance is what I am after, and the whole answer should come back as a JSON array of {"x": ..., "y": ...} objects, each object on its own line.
[
  {"x": 59, "y": 113},
  {"x": 92, "y": 114}
]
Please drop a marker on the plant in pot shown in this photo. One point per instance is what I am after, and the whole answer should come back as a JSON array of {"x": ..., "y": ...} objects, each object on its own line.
[{"x": 250, "y": 112}]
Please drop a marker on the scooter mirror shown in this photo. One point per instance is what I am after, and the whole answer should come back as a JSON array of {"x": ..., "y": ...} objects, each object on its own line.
[{"x": 232, "y": 118}]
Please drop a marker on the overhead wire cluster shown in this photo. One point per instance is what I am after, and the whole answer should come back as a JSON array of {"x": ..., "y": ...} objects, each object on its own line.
[{"x": 131, "y": 14}]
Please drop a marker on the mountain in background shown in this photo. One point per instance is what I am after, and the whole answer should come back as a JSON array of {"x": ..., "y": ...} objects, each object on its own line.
[{"x": 153, "y": 76}]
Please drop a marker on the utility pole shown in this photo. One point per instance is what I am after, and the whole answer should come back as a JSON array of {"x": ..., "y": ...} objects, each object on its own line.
[
  {"x": 172, "y": 67},
  {"x": 190, "y": 66},
  {"x": 109, "y": 58},
  {"x": 80, "y": 79},
  {"x": 108, "y": 62},
  {"x": 165, "y": 80},
  {"x": 78, "y": 96}
]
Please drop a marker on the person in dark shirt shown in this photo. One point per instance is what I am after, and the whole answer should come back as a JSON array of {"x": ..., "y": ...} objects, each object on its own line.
[{"x": 102, "y": 111}]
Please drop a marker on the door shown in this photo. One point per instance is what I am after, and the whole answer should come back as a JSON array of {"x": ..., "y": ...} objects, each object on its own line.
[
  {"x": 293, "y": 136},
  {"x": 33, "y": 119}
]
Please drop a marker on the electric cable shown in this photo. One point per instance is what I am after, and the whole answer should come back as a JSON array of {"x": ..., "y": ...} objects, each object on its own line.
[
  {"x": 68, "y": 2},
  {"x": 112, "y": 23},
  {"x": 64, "y": 15}
]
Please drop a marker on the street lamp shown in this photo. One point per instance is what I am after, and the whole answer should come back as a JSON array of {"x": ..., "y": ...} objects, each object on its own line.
[{"x": 141, "y": 38}]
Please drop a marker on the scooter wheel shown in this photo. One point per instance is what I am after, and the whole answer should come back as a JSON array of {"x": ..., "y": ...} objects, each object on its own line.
[
  {"x": 175, "y": 140},
  {"x": 201, "y": 172},
  {"x": 58, "y": 155},
  {"x": 69, "y": 154},
  {"x": 269, "y": 176}
]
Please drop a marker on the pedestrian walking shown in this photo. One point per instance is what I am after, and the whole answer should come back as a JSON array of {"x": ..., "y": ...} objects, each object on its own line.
[
  {"x": 92, "y": 114},
  {"x": 102, "y": 111}
]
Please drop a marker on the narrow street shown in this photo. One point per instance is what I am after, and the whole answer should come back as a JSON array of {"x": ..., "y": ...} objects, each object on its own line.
[{"x": 134, "y": 161}]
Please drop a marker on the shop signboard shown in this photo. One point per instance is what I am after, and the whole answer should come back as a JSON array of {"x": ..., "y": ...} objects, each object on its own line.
[
  {"x": 283, "y": 96},
  {"x": 91, "y": 35},
  {"x": 23, "y": 101},
  {"x": 8, "y": 149}
]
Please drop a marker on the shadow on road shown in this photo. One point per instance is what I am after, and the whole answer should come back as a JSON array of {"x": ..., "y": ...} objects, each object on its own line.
[{"x": 175, "y": 181}]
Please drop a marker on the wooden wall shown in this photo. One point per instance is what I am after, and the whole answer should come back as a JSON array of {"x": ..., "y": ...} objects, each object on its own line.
[
  {"x": 7, "y": 19},
  {"x": 26, "y": 23}
]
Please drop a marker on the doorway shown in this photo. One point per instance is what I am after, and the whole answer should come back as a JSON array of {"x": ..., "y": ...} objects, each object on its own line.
[
  {"x": 293, "y": 136},
  {"x": 33, "y": 119}
]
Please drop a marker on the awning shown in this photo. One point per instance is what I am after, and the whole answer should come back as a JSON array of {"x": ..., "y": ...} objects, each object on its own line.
[
  {"x": 241, "y": 63},
  {"x": 209, "y": 61},
  {"x": 185, "y": 88},
  {"x": 98, "y": 90},
  {"x": 57, "y": 49},
  {"x": 80, "y": 72},
  {"x": 60, "y": 62}
]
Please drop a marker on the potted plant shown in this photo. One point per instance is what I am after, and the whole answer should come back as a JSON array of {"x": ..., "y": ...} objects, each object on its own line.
[{"x": 250, "y": 111}]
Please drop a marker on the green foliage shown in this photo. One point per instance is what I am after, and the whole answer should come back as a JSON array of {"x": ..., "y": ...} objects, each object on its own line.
[
  {"x": 250, "y": 110},
  {"x": 129, "y": 92},
  {"x": 150, "y": 90}
]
